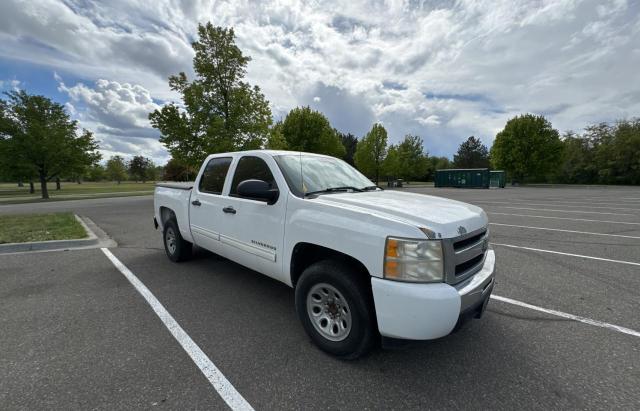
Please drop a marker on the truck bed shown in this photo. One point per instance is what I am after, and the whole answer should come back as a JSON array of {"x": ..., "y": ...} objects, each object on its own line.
[
  {"x": 177, "y": 185},
  {"x": 173, "y": 198}
]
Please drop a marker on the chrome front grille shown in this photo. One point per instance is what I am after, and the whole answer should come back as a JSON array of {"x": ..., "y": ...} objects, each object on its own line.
[
  {"x": 464, "y": 255},
  {"x": 460, "y": 244}
]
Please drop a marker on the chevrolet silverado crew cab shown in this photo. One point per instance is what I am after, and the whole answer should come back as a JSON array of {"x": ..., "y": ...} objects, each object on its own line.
[{"x": 364, "y": 262}]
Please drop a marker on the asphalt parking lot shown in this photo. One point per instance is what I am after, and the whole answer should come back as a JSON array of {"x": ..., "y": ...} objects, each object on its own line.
[{"x": 77, "y": 335}]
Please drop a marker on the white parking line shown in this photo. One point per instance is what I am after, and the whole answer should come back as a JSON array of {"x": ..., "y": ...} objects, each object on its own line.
[
  {"x": 564, "y": 218},
  {"x": 561, "y": 201},
  {"x": 567, "y": 254},
  {"x": 562, "y": 211},
  {"x": 585, "y": 320},
  {"x": 224, "y": 388},
  {"x": 566, "y": 231},
  {"x": 555, "y": 205}
]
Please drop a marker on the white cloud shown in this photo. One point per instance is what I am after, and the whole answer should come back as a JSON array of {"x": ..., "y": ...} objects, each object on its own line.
[
  {"x": 431, "y": 120},
  {"x": 10, "y": 84},
  {"x": 442, "y": 70},
  {"x": 113, "y": 104},
  {"x": 118, "y": 114}
]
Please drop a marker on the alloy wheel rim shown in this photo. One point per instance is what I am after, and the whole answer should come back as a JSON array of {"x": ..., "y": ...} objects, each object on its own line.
[
  {"x": 171, "y": 240},
  {"x": 329, "y": 312}
]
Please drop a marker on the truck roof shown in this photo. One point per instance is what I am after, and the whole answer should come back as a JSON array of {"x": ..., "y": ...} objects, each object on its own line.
[{"x": 271, "y": 153}]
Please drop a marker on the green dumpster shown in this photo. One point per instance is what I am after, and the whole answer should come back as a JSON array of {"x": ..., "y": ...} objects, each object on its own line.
[
  {"x": 498, "y": 178},
  {"x": 463, "y": 178}
]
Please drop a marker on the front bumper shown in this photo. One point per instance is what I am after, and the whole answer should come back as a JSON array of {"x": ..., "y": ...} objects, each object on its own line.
[{"x": 427, "y": 311}]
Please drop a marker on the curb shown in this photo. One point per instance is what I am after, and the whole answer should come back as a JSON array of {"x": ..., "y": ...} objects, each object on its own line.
[{"x": 96, "y": 238}]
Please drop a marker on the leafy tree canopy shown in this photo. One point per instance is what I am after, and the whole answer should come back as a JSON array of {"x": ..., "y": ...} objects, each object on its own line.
[
  {"x": 528, "y": 148},
  {"x": 142, "y": 169},
  {"x": 604, "y": 153},
  {"x": 39, "y": 140},
  {"x": 437, "y": 163},
  {"x": 407, "y": 160},
  {"x": 116, "y": 169},
  {"x": 391, "y": 165},
  {"x": 220, "y": 112},
  {"x": 276, "y": 140},
  {"x": 371, "y": 152},
  {"x": 414, "y": 159},
  {"x": 440, "y": 163},
  {"x": 175, "y": 170},
  {"x": 308, "y": 130},
  {"x": 95, "y": 173},
  {"x": 621, "y": 158},
  {"x": 350, "y": 142},
  {"x": 471, "y": 154}
]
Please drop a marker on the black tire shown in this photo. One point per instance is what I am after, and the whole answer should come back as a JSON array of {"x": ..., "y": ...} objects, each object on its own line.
[
  {"x": 356, "y": 290},
  {"x": 179, "y": 249}
]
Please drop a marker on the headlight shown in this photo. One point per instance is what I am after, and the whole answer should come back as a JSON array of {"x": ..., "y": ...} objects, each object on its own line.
[{"x": 413, "y": 260}]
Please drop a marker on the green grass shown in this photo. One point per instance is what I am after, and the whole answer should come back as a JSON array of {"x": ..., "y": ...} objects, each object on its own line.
[
  {"x": 10, "y": 193},
  {"x": 39, "y": 227}
]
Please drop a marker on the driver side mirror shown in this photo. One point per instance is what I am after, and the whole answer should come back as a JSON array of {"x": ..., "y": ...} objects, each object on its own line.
[{"x": 258, "y": 190}]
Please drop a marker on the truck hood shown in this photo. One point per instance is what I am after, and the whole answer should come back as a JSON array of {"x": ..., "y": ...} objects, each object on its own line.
[{"x": 446, "y": 218}]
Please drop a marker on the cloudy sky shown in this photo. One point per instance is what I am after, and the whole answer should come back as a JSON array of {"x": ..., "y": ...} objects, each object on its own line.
[{"x": 441, "y": 69}]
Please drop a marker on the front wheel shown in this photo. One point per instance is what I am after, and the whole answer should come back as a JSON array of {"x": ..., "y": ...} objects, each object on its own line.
[
  {"x": 177, "y": 248},
  {"x": 335, "y": 308}
]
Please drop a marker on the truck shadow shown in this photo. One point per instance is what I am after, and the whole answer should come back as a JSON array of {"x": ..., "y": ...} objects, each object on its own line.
[{"x": 246, "y": 321}]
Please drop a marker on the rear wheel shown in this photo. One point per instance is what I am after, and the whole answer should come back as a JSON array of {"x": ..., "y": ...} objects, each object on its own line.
[
  {"x": 334, "y": 306},
  {"x": 175, "y": 246}
]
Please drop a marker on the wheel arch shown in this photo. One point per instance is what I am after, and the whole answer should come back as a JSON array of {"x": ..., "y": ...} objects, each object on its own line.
[
  {"x": 305, "y": 254},
  {"x": 166, "y": 214}
]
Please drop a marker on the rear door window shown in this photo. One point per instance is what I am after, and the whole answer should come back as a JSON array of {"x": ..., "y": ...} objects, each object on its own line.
[{"x": 214, "y": 174}]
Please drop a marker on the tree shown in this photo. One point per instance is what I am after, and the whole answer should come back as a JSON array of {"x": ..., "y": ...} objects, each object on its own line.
[
  {"x": 615, "y": 151},
  {"x": 39, "y": 139},
  {"x": 407, "y": 160},
  {"x": 440, "y": 163},
  {"x": 156, "y": 173},
  {"x": 152, "y": 172},
  {"x": 472, "y": 154},
  {"x": 141, "y": 169},
  {"x": 414, "y": 162},
  {"x": 175, "y": 170},
  {"x": 10, "y": 170},
  {"x": 371, "y": 151},
  {"x": 308, "y": 130},
  {"x": 578, "y": 161},
  {"x": 220, "y": 112},
  {"x": 276, "y": 140},
  {"x": 350, "y": 142},
  {"x": 528, "y": 148},
  {"x": 391, "y": 165},
  {"x": 116, "y": 169},
  {"x": 437, "y": 163},
  {"x": 96, "y": 173},
  {"x": 625, "y": 152}
]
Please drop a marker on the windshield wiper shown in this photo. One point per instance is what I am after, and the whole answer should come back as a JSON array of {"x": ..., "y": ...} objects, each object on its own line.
[
  {"x": 334, "y": 190},
  {"x": 371, "y": 188}
]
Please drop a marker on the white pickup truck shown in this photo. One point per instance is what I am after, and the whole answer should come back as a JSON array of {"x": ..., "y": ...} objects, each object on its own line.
[{"x": 365, "y": 262}]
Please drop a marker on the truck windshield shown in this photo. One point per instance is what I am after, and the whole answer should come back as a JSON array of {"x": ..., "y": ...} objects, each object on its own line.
[{"x": 314, "y": 174}]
